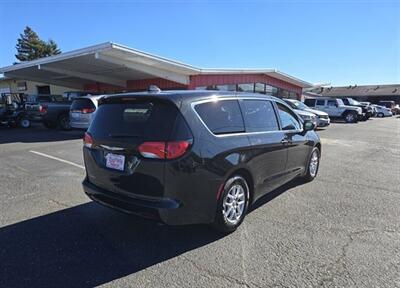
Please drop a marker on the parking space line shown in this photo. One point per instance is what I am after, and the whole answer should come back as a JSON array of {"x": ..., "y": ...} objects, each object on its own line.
[{"x": 58, "y": 159}]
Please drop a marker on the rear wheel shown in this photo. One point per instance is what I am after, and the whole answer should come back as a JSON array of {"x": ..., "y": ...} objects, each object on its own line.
[
  {"x": 63, "y": 122},
  {"x": 24, "y": 122},
  {"x": 350, "y": 117},
  {"x": 313, "y": 165},
  {"x": 232, "y": 205}
]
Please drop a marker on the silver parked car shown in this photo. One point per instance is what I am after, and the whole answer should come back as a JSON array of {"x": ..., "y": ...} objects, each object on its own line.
[
  {"x": 322, "y": 118},
  {"x": 82, "y": 111}
]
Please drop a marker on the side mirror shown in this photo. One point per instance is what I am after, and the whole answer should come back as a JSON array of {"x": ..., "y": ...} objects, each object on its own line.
[{"x": 308, "y": 125}]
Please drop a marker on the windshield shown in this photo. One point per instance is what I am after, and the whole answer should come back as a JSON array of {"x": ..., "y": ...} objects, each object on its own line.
[
  {"x": 340, "y": 102},
  {"x": 353, "y": 102},
  {"x": 294, "y": 104}
]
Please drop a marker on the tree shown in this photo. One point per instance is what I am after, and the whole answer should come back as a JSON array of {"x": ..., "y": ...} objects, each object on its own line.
[{"x": 30, "y": 46}]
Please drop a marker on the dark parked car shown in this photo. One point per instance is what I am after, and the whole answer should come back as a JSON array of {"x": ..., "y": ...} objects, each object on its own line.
[{"x": 186, "y": 157}]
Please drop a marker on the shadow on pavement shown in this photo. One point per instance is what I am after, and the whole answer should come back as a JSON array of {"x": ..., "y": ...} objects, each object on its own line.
[
  {"x": 88, "y": 245},
  {"x": 275, "y": 193},
  {"x": 36, "y": 133}
]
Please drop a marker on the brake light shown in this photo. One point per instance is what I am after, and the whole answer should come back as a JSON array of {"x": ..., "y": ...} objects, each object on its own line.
[
  {"x": 163, "y": 150},
  {"x": 87, "y": 140},
  {"x": 87, "y": 110},
  {"x": 42, "y": 109},
  {"x": 154, "y": 150},
  {"x": 176, "y": 149}
]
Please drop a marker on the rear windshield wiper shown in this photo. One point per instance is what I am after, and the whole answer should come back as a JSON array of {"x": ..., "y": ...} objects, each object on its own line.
[{"x": 121, "y": 135}]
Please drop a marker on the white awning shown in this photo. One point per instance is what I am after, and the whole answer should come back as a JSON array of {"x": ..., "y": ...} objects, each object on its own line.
[{"x": 115, "y": 64}]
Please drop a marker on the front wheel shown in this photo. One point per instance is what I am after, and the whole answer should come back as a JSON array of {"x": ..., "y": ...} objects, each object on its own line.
[
  {"x": 350, "y": 117},
  {"x": 380, "y": 115},
  {"x": 232, "y": 205},
  {"x": 313, "y": 165}
]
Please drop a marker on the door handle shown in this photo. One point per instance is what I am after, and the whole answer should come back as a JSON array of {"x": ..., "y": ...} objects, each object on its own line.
[{"x": 284, "y": 141}]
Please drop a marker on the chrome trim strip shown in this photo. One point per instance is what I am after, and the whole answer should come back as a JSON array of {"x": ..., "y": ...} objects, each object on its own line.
[
  {"x": 112, "y": 148},
  {"x": 211, "y": 99}
]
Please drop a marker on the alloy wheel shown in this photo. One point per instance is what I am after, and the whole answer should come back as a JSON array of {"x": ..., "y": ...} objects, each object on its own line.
[
  {"x": 234, "y": 204},
  {"x": 350, "y": 117},
  {"x": 313, "y": 167},
  {"x": 25, "y": 123}
]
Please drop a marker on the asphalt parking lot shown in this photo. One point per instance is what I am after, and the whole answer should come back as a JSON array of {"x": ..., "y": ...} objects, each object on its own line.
[{"x": 342, "y": 230}]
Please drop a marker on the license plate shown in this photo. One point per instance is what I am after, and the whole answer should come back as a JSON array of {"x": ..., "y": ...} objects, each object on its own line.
[
  {"x": 115, "y": 161},
  {"x": 76, "y": 115}
]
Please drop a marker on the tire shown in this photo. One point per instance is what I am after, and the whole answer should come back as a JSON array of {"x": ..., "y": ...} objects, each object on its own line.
[
  {"x": 63, "y": 122},
  {"x": 312, "y": 166},
  {"x": 234, "y": 200},
  {"x": 380, "y": 115},
  {"x": 49, "y": 125},
  {"x": 350, "y": 117},
  {"x": 24, "y": 122}
]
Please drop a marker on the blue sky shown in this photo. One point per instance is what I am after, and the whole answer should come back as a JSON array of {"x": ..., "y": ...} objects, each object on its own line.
[{"x": 340, "y": 42}]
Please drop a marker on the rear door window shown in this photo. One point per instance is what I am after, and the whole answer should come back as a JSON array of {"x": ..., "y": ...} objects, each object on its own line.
[
  {"x": 288, "y": 118},
  {"x": 259, "y": 116},
  {"x": 151, "y": 120},
  {"x": 221, "y": 117},
  {"x": 332, "y": 103},
  {"x": 320, "y": 103}
]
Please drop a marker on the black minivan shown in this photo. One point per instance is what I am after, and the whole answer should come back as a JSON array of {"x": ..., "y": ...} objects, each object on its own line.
[{"x": 185, "y": 157}]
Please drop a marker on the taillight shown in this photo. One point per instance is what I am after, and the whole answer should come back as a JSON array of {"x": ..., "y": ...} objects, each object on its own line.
[
  {"x": 163, "y": 150},
  {"x": 88, "y": 110},
  {"x": 176, "y": 149},
  {"x": 87, "y": 140},
  {"x": 154, "y": 150},
  {"x": 42, "y": 109}
]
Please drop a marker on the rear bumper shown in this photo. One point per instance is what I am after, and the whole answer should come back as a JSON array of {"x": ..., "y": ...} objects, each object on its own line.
[
  {"x": 165, "y": 210},
  {"x": 79, "y": 125}
]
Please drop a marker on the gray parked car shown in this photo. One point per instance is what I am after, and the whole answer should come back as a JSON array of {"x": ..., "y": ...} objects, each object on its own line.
[
  {"x": 322, "y": 118},
  {"x": 82, "y": 111}
]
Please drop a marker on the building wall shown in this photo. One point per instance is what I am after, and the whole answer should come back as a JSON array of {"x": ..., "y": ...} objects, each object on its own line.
[
  {"x": 221, "y": 79},
  {"x": 196, "y": 81},
  {"x": 31, "y": 87}
]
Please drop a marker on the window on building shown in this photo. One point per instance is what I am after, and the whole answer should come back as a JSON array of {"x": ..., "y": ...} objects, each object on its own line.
[
  {"x": 259, "y": 88},
  {"x": 271, "y": 90},
  {"x": 259, "y": 116},
  {"x": 246, "y": 87},
  {"x": 221, "y": 117},
  {"x": 288, "y": 118},
  {"x": 44, "y": 90},
  {"x": 227, "y": 87},
  {"x": 292, "y": 95}
]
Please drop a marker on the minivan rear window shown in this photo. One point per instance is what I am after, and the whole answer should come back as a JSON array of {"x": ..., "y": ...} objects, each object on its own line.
[
  {"x": 79, "y": 104},
  {"x": 145, "y": 119},
  {"x": 221, "y": 117}
]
